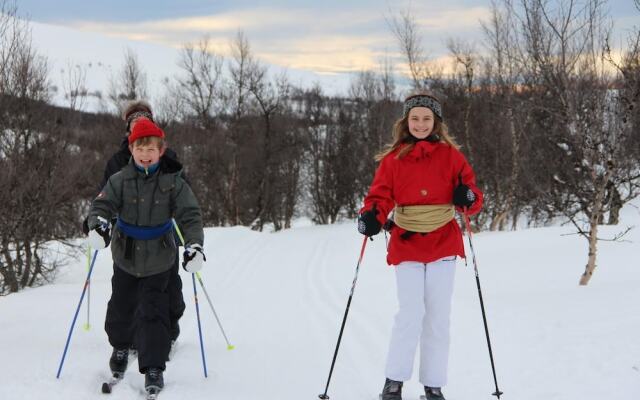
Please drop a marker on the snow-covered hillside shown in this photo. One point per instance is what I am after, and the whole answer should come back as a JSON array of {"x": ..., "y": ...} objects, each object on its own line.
[{"x": 281, "y": 298}]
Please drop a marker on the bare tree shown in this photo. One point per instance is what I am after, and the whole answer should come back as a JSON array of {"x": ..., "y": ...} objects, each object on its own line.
[
  {"x": 38, "y": 201},
  {"x": 74, "y": 81},
  {"x": 12, "y": 33},
  {"x": 405, "y": 29},
  {"x": 270, "y": 98},
  {"x": 565, "y": 43},
  {"x": 375, "y": 109},
  {"x": 242, "y": 67},
  {"x": 465, "y": 57},
  {"x": 506, "y": 68},
  {"x": 200, "y": 86},
  {"x": 130, "y": 82}
]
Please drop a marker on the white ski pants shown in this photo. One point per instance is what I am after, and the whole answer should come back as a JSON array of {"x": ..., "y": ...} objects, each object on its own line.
[{"x": 424, "y": 297}]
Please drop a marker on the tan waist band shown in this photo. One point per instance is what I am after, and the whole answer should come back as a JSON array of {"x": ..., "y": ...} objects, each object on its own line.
[{"x": 423, "y": 218}]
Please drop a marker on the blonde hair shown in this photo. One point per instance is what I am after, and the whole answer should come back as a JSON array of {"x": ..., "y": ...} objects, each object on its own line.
[{"x": 401, "y": 134}]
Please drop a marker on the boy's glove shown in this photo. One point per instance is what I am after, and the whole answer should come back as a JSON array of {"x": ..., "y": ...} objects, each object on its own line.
[
  {"x": 368, "y": 224},
  {"x": 463, "y": 196},
  {"x": 193, "y": 258},
  {"x": 100, "y": 236}
]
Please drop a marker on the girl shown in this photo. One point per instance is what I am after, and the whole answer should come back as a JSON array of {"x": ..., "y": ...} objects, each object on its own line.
[{"x": 424, "y": 179}]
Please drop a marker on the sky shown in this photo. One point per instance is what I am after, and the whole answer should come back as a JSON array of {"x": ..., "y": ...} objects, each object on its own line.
[{"x": 328, "y": 37}]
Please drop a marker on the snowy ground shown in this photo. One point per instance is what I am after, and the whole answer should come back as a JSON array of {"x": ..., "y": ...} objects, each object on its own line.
[{"x": 281, "y": 297}]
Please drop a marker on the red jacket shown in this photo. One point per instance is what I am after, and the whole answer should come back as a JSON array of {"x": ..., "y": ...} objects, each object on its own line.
[{"x": 428, "y": 174}]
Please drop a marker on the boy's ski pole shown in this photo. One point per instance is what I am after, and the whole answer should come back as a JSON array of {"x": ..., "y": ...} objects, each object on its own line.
[
  {"x": 229, "y": 345},
  {"x": 75, "y": 316},
  {"x": 87, "y": 325},
  {"x": 344, "y": 319},
  {"x": 195, "y": 297},
  {"x": 467, "y": 224}
]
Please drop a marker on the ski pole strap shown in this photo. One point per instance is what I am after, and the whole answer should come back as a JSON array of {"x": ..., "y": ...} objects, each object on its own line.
[{"x": 143, "y": 232}]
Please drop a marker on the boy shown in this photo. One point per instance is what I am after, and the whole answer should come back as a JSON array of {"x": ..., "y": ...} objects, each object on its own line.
[
  {"x": 144, "y": 196},
  {"x": 135, "y": 111}
]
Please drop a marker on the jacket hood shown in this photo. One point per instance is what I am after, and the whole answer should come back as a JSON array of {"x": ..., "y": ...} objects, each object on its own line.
[{"x": 169, "y": 164}]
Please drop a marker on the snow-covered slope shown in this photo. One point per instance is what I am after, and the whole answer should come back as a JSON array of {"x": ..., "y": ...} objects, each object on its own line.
[{"x": 281, "y": 298}]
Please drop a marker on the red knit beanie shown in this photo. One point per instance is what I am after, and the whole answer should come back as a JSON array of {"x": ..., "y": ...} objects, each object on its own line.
[{"x": 143, "y": 128}]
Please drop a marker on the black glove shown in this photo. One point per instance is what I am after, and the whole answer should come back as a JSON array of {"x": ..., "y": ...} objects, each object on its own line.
[
  {"x": 463, "y": 196},
  {"x": 100, "y": 236},
  {"x": 368, "y": 224}
]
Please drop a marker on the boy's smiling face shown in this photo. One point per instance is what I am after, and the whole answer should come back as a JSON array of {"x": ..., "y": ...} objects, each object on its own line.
[{"x": 146, "y": 155}]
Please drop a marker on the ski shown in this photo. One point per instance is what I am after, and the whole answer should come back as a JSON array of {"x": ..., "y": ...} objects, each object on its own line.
[
  {"x": 116, "y": 377},
  {"x": 421, "y": 397},
  {"x": 114, "y": 380}
]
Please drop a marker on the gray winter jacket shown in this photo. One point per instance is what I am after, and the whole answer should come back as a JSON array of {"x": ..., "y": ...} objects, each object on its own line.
[{"x": 148, "y": 201}]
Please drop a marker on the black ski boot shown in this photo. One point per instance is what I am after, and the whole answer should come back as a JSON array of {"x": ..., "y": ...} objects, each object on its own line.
[
  {"x": 118, "y": 361},
  {"x": 433, "y": 393},
  {"x": 153, "y": 381},
  {"x": 392, "y": 390}
]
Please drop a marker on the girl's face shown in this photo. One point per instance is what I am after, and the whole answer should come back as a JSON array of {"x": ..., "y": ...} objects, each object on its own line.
[
  {"x": 146, "y": 155},
  {"x": 421, "y": 121}
]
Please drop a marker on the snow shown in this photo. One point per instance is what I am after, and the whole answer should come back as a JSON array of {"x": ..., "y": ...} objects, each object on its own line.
[{"x": 281, "y": 298}]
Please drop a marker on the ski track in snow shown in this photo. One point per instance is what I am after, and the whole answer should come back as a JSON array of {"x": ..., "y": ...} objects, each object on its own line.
[{"x": 281, "y": 298}]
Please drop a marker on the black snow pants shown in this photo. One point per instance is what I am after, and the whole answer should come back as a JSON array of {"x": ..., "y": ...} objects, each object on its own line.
[{"x": 138, "y": 315}]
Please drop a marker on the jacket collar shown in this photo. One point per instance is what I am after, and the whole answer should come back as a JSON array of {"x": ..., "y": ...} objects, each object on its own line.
[
  {"x": 422, "y": 149},
  {"x": 168, "y": 165}
]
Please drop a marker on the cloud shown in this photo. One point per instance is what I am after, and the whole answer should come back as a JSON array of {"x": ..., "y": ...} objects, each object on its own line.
[
  {"x": 292, "y": 38},
  {"x": 264, "y": 20},
  {"x": 328, "y": 42},
  {"x": 326, "y": 54},
  {"x": 454, "y": 19}
]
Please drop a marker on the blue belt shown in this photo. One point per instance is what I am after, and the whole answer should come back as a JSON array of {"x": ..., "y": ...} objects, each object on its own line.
[{"x": 144, "y": 232}]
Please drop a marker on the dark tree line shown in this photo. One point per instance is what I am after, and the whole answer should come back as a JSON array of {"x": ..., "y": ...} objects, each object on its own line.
[{"x": 546, "y": 115}]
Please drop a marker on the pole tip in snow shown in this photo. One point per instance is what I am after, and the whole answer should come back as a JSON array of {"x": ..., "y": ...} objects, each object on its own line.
[
  {"x": 87, "y": 327},
  {"x": 231, "y": 347},
  {"x": 497, "y": 393},
  {"x": 323, "y": 396}
]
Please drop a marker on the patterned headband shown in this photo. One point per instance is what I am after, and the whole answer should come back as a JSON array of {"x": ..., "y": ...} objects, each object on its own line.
[
  {"x": 423, "y": 101},
  {"x": 136, "y": 115}
]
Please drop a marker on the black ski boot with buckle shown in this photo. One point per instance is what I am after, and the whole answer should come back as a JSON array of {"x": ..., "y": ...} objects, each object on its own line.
[
  {"x": 153, "y": 380},
  {"x": 392, "y": 390},
  {"x": 118, "y": 361},
  {"x": 433, "y": 393}
]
